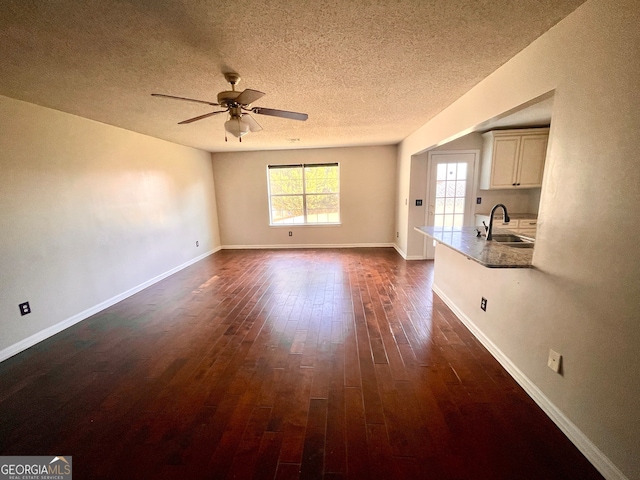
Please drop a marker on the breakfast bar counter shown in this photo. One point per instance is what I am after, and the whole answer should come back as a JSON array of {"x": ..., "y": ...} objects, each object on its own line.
[{"x": 490, "y": 254}]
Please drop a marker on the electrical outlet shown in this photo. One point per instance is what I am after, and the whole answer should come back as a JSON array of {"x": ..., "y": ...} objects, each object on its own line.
[
  {"x": 555, "y": 361},
  {"x": 418, "y": 203},
  {"x": 478, "y": 200},
  {"x": 25, "y": 309},
  {"x": 197, "y": 243},
  {"x": 483, "y": 304},
  {"x": 397, "y": 234},
  {"x": 290, "y": 233}
]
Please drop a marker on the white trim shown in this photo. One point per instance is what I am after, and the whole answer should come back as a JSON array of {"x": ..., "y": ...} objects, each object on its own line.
[
  {"x": 400, "y": 251},
  {"x": 302, "y": 245},
  {"x": 411, "y": 258},
  {"x": 599, "y": 460},
  {"x": 304, "y": 225},
  {"x": 38, "y": 337}
]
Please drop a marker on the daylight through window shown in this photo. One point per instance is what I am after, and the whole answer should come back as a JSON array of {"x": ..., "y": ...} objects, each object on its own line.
[{"x": 304, "y": 194}]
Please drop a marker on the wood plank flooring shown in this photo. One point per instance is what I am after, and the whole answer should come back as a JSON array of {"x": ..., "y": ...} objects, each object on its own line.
[{"x": 280, "y": 364}]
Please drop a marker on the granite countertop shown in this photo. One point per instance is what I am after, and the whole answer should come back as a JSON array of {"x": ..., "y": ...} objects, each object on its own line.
[{"x": 490, "y": 254}]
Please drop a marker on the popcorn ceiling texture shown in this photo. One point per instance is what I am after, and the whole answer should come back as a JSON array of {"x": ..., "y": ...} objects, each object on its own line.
[{"x": 366, "y": 71}]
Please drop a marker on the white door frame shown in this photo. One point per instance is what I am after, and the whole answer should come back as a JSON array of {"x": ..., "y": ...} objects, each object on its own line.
[{"x": 474, "y": 176}]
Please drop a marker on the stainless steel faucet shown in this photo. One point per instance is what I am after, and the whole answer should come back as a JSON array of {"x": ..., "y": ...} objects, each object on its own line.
[{"x": 506, "y": 219}]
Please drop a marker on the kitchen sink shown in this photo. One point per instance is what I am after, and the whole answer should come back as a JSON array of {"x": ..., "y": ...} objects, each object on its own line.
[
  {"x": 508, "y": 238},
  {"x": 511, "y": 240}
]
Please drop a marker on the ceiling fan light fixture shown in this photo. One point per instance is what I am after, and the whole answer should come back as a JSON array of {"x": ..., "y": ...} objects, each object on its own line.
[{"x": 237, "y": 126}]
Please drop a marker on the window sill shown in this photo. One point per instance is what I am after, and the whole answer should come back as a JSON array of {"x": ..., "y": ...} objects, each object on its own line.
[{"x": 313, "y": 225}]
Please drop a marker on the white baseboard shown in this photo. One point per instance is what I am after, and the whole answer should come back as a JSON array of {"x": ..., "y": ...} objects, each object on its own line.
[
  {"x": 58, "y": 327},
  {"x": 415, "y": 257},
  {"x": 400, "y": 251},
  {"x": 599, "y": 460},
  {"x": 407, "y": 257},
  {"x": 304, "y": 245}
]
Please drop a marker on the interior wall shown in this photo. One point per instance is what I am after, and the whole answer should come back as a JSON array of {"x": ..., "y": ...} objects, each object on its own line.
[
  {"x": 582, "y": 298},
  {"x": 367, "y": 198},
  {"x": 516, "y": 201},
  {"x": 90, "y": 212}
]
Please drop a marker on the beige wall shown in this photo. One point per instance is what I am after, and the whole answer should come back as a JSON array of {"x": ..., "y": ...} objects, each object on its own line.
[
  {"x": 89, "y": 213},
  {"x": 582, "y": 299},
  {"x": 367, "y": 198}
]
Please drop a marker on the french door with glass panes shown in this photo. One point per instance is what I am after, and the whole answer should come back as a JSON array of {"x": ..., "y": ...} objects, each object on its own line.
[{"x": 450, "y": 187}]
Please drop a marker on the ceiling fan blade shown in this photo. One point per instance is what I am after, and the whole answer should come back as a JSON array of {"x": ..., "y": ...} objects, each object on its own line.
[
  {"x": 184, "y": 98},
  {"x": 200, "y": 117},
  {"x": 249, "y": 96},
  {"x": 280, "y": 113},
  {"x": 253, "y": 125}
]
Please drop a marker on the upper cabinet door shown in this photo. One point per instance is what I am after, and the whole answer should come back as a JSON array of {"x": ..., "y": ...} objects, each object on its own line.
[
  {"x": 531, "y": 165},
  {"x": 513, "y": 158},
  {"x": 505, "y": 161}
]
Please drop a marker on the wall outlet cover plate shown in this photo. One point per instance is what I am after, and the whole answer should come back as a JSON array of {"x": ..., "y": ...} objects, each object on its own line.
[
  {"x": 25, "y": 309},
  {"x": 555, "y": 361}
]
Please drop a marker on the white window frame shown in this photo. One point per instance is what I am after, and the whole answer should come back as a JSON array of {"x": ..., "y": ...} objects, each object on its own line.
[{"x": 303, "y": 194}]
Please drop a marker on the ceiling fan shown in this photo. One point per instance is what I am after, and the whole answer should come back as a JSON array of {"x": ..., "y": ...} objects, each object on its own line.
[{"x": 238, "y": 106}]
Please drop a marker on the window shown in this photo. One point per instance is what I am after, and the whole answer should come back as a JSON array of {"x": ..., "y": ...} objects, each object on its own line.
[{"x": 304, "y": 194}]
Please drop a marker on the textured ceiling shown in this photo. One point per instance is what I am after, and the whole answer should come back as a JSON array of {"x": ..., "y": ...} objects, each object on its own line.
[{"x": 366, "y": 71}]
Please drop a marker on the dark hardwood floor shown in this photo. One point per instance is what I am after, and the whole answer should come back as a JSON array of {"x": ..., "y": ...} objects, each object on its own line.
[{"x": 280, "y": 364}]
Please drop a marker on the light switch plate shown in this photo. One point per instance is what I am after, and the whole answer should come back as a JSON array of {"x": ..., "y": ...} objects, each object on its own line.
[{"x": 555, "y": 361}]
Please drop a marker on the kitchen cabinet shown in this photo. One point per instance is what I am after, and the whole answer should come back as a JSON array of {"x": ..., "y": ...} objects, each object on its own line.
[
  {"x": 527, "y": 227},
  {"x": 513, "y": 158}
]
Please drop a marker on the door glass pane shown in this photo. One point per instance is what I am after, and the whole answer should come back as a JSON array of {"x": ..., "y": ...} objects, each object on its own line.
[
  {"x": 451, "y": 185},
  {"x": 448, "y": 205},
  {"x": 451, "y": 189},
  {"x": 448, "y": 221},
  {"x": 451, "y": 171}
]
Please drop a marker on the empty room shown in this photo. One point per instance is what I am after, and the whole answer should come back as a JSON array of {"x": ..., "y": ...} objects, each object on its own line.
[{"x": 280, "y": 240}]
